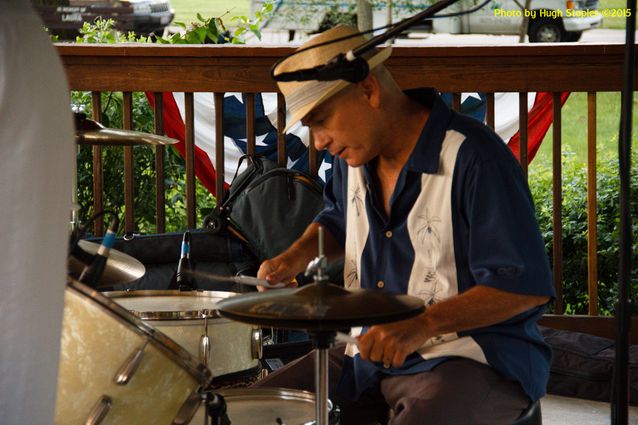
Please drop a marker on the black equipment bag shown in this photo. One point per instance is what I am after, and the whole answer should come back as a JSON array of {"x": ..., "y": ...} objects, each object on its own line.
[
  {"x": 583, "y": 364},
  {"x": 159, "y": 253},
  {"x": 268, "y": 207}
]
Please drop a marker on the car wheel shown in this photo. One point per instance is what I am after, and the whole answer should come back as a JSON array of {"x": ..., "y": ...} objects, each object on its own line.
[
  {"x": 546, "y": 31},
  {"x": 573, "y": 35}
]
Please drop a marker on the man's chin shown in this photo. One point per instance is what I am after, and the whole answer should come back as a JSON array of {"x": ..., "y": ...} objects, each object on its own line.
[{"x": 352, "y": 162}]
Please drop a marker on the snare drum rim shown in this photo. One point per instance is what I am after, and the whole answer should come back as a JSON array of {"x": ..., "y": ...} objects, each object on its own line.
[
  {"x": 176, "y": 314},
  {"x": 174, "y": 351}
]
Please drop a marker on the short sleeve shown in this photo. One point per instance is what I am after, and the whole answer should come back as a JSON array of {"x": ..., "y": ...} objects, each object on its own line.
[
  {"x": 333, "y": 215},
  {"x": 504, "y": 245}
]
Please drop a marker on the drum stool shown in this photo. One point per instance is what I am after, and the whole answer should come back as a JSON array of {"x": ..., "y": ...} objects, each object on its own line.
[{"x": 531, "y": 415}]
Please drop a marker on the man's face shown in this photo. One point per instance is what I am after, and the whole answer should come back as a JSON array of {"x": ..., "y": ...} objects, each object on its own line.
[{"x": 345, "y": 125}]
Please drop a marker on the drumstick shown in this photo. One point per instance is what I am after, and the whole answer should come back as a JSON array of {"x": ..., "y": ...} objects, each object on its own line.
[
  {"x": 245, "y": 280},
  {"x": 343, "y": 337}
]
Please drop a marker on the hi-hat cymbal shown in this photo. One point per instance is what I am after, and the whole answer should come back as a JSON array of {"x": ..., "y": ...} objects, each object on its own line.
[
  {"x": 89, "y": 132},
  {"x": 320, "y": 307},
  {"x": 120, "y": 267}
]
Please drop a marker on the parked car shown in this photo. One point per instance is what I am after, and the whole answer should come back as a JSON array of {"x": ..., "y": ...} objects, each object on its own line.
[
  {"x": 65, "y": 17},
  {"x": 549, "y": 20}
]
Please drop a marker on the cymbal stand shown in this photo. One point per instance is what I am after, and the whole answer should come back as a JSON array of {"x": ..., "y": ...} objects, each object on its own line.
[
  {"x": 322, "y": 340},
  {"x": 215, "y": 407}
]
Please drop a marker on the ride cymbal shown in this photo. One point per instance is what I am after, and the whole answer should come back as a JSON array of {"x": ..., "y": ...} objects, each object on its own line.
[{"x": 320, "y": 307}]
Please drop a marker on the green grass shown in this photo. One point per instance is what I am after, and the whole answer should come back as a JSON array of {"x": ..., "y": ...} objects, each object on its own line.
[
  {"x": 574, "y": 127},
  {"x": 186, "y": 10},
  {"x": 613, "y": 22}
]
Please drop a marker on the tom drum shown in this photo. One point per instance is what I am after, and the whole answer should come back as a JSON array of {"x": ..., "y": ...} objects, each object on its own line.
[{"x": 115, "y": 369}]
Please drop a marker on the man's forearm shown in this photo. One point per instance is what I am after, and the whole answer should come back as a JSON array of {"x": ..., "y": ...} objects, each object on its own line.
[
  {"x": 307, "y": 246},
  {"x": 478, "y": 307}
]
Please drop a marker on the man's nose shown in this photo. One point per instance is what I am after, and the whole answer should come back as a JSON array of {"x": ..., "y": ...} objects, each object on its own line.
[{"x": 320, "y": 139}]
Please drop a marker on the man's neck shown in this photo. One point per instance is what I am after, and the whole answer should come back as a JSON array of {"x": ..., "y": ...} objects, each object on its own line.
[{"x": 407, "y": 121}]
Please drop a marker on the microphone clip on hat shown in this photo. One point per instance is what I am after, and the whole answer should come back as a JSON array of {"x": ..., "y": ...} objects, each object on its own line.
[{"x": 344, "y": 66}]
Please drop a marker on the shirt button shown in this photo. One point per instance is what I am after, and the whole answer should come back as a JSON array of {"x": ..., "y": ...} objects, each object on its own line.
[
  {"x": 388, "y": 234},
  {"x": 380, "y": 284}
]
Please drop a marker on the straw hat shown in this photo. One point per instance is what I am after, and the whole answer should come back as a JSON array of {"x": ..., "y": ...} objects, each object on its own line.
[{"x": 303, "y": 96}]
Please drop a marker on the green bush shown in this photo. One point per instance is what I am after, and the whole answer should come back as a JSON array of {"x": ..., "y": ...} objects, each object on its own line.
[{"x": 575, "y": 297}]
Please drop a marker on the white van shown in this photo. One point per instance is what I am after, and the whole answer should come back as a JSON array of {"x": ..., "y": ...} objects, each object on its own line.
[{"x": 549, "y": 20}]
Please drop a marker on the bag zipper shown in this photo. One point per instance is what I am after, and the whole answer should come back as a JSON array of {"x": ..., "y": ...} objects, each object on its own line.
[{"x": 294, "y": 175}]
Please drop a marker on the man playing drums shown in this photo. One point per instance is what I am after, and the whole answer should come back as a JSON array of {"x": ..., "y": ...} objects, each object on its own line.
[{"x": 431, "y": 203}]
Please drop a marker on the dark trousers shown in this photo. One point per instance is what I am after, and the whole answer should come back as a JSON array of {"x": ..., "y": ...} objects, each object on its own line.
[{"x": 457, "y": 392}]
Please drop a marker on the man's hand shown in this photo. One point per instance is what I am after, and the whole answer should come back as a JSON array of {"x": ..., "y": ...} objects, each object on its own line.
[
  {"x": 478, "y": 307},
  {"x": 393, "y": 342},
  {"x": 293, "y": 261},
  {"x": 276, "y": 270}
]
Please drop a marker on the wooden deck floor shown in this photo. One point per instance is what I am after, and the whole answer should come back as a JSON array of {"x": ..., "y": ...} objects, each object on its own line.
[{"x": 558, "y": 410}]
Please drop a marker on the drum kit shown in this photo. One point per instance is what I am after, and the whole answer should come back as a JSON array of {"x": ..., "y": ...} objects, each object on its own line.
[{"x": 152, "y": 357}]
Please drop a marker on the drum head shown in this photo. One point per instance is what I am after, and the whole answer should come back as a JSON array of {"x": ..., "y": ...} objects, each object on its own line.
[{"x": 170, "y": 305}]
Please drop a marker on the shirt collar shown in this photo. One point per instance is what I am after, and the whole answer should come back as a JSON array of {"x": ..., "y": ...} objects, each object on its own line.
[{"x": 425, "y": 156}]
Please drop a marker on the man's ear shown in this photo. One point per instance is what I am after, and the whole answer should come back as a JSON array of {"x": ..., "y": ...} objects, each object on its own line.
[{"x": 371, "y": 89}]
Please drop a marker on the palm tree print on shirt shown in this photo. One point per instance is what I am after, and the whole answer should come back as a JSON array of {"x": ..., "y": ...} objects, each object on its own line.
[
  {"x": 430, "y": 239},
  {"x": 356, "y": 200},
  {"x": 352, "y": 277}
]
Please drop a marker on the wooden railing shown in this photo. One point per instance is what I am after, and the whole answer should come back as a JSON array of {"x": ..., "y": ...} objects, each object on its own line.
[{"x": 221, "y": 69}]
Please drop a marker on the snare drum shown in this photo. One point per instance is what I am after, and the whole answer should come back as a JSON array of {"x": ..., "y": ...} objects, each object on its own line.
[
  {"x": 115, "y": 369},
  {"x": 191, "y": 319},
  {"x": 260, "y": 406}
]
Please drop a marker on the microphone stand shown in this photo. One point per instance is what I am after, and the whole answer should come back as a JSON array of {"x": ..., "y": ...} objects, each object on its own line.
[{"x": 620, "y": 399}]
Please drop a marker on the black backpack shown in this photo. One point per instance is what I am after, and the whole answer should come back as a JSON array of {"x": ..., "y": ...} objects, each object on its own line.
[{"x": 268, "y": 207}]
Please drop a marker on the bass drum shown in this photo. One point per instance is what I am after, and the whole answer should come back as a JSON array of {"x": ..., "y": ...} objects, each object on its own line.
[
  {"x": 115, "y": 369},
  {"x": 261, "y": 406},
  {"x": 230, "y": 349}
]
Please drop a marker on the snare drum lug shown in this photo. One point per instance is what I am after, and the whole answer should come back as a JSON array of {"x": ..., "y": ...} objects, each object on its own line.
[
  {"x": 99, "y": 411},
  {"x": 204, "y": 349},
  {"x": 126, "y": 372},
  {"x": 257, "y": 343}
]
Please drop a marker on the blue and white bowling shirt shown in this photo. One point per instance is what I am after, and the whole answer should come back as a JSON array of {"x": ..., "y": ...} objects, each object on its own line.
[{"x": 461, "y": 215}]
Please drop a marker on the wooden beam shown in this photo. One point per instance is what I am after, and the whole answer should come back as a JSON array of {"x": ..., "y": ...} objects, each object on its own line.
[
  {"x": 217, "y": 68},
  {"x": 592, "y": 217}
]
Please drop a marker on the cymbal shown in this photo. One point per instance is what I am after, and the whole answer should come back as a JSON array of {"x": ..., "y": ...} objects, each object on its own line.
[
  {"x": 120, "y": 267},
  {"x": 320, "y": 307},
  {"x": 89, "y": 132}
]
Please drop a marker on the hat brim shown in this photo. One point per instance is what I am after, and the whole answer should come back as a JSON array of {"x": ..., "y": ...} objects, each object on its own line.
[{"x": 339, "y": 85}]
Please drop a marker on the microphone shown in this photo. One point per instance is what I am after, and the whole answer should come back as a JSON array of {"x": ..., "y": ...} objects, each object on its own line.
[
  {"x": 345, "y": 67},
  {"x": 183, "y": 277},
  {"x": 93, "y": 272}
]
